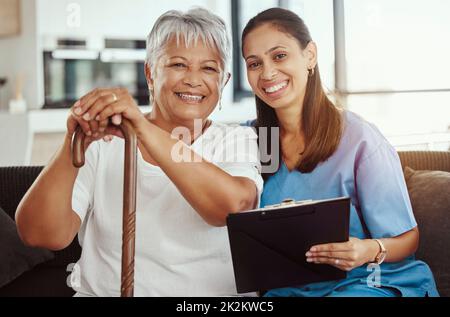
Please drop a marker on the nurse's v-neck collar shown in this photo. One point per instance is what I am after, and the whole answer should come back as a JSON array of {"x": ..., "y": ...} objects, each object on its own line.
[{"x": 285, "y": 170}]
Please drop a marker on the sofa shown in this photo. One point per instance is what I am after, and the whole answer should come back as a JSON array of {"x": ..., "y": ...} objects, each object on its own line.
[{"x": 427, "y": 196}]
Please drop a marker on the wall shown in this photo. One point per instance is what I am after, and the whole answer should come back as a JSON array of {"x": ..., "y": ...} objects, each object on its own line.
[
  {"x": 43, "y": 19},
  {"x": 15, "y": 151},
  {"x": 19, "y": 55},
  {"x": 115, "y": 19},
  {"x": 110, "y": 18}
]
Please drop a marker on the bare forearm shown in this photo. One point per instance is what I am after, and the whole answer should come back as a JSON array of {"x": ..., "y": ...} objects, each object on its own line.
[
  {"x": 209, "y": 190},
  {"x": 398, "y": 248},
  {"x": 45, "y": 212},
  {"x": 356, "y": 252}
]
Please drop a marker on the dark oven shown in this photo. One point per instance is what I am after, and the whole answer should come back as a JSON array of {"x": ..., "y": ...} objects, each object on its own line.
[{"x": 71, "y": 71}]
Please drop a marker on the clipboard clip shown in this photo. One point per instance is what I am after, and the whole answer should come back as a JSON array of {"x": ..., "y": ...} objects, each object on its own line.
[{"x": 288, "y": 202}]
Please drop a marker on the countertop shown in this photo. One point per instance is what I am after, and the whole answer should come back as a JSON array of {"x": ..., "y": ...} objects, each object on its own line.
[{"x": 54, "y": 120}]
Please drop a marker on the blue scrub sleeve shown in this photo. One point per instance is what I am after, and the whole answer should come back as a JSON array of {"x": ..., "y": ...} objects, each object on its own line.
[{"x": 382, "y": 194}]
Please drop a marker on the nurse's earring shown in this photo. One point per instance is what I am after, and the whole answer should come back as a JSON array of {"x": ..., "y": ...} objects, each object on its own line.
[{"x": 311, "y": 72}]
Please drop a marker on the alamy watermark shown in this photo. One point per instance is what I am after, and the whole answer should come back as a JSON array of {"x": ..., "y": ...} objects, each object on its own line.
[
  {"x": 73, "y": 19},
  {"x": 374, "y": 278},
  {"x": 74, "y": 279},
  {"x": 234, "y": 146}
]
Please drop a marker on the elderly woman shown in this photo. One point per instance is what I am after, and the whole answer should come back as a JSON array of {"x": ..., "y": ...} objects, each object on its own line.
[{"x": 182, "y": 200}]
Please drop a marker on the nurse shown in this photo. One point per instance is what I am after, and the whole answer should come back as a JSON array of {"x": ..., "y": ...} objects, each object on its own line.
[{"x": 326, "y": 152}]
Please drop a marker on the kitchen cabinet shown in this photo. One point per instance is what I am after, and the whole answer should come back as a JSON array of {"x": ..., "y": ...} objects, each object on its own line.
[{"x": 9, "y": 17}]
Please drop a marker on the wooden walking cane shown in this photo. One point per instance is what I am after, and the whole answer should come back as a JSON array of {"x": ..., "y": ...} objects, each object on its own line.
[{"x": 129, "y": 200}]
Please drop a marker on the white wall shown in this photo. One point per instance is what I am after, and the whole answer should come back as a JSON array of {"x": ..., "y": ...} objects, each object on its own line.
[
  {"x": 43, "y": 19},
  {"x": 118, "y": 19},
  {"x": 108, "y": 18},
  {"x": 19, "y": 55}
]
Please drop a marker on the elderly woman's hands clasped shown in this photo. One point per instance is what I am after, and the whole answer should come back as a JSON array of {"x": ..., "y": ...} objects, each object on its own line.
[{"x": 94, "y": 111}]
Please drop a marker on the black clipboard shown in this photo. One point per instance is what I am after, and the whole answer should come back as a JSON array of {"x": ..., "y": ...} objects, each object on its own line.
[{"x": 268, "y": 245}]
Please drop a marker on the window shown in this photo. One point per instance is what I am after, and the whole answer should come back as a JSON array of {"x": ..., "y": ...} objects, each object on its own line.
[
  {"x": 386, "y": 60},
  {"x": 397, "y": 69},
  {"x": 397, "y": 45}
]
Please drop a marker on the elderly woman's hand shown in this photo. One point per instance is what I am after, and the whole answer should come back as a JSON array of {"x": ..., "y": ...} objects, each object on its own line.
[
  {"x": 90, "y": 129},
  {"x": 345, "y": 256},
  {"x": 100, "y": 105}
]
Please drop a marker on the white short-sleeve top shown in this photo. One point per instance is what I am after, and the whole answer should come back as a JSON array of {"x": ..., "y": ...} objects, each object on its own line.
[{"x": 177, "y": 252}]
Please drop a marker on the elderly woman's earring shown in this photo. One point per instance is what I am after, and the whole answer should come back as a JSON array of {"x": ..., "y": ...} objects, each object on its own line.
[
  {"x": 152, "y": 97},
  {"x": 220, "y": 104}
]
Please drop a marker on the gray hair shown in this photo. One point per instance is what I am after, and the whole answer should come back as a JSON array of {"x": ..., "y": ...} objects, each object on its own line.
[{"x": 192, "y": 25}]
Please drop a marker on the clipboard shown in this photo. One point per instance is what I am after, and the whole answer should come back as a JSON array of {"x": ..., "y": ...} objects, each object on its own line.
[{"x": 268, "y": 245}]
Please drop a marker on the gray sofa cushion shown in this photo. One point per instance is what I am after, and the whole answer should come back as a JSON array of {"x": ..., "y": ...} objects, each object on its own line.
[
  {"x": 430, "y": 198},
  {"x": 16, "y": 258}
]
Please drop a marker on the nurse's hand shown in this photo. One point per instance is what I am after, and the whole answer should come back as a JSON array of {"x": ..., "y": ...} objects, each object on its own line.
[{"x": 345, "y": 256}]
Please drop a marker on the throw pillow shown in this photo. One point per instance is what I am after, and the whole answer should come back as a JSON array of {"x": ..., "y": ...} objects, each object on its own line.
[
  {"x": 15, "y": 257},
  {"x": 429, "y": 192}
]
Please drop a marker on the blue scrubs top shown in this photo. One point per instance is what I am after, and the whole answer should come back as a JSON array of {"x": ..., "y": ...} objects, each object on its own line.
[{"x": 366, "y": 168}]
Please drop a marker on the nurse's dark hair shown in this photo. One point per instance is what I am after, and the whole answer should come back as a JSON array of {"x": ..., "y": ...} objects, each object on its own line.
[{"x": 321, "y": 120}]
